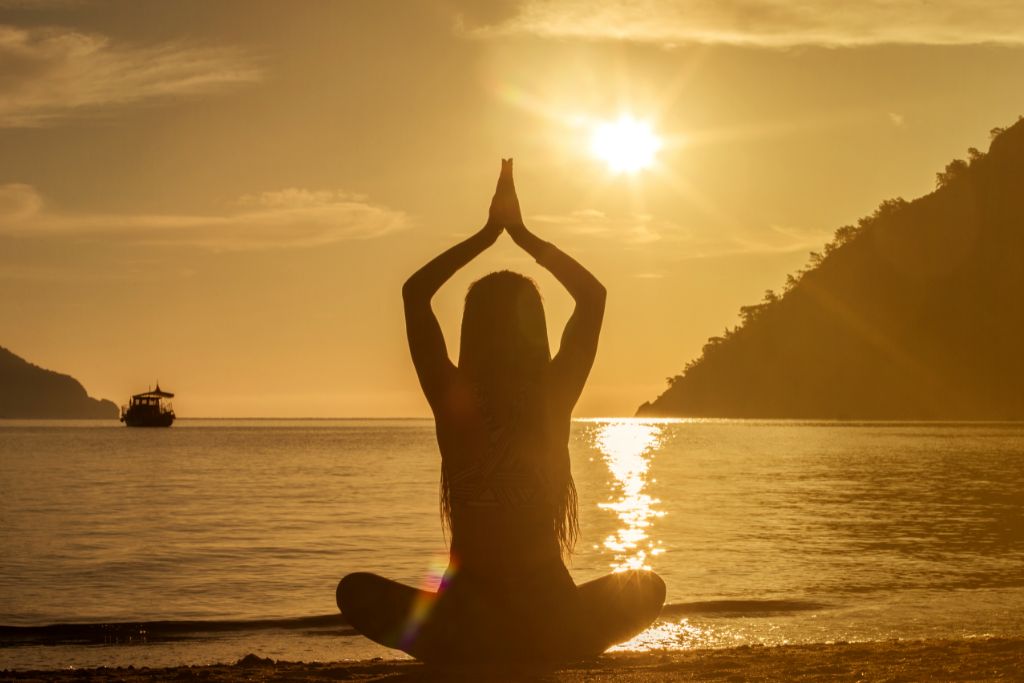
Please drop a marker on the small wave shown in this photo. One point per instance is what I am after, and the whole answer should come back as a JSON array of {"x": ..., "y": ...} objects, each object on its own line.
[
  {"x": 741, "y": 608},
  {"x": 155, "y": 631},
  {"x": 327, "y": 624}
]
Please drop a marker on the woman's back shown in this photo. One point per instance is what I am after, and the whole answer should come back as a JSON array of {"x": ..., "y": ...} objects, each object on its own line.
[{"x": 505, "y": 473}]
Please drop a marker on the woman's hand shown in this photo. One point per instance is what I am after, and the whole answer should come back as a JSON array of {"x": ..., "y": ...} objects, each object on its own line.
[{"x": 505, "y": 205}]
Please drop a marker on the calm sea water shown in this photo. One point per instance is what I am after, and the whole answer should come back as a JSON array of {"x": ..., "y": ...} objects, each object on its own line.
[{"x": 765, "y": 532}]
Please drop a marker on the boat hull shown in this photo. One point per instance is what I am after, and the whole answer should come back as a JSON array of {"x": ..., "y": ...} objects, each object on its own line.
[{"x": 157, "y": 420}]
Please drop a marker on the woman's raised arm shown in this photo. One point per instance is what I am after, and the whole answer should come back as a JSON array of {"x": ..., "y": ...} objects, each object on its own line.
[
  {"x": 578, "y": 347},
  {"x": 426, "y": 342}
]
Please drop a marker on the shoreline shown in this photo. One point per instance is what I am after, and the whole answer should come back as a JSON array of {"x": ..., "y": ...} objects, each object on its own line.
[{"x": 975, "y": 659}]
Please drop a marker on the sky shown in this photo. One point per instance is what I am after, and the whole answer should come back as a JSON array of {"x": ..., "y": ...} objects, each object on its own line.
[{"x": 227, "y": 196}]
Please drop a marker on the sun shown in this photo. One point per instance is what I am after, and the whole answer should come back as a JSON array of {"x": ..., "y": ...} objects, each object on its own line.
[{"x": 626, "y": 145}]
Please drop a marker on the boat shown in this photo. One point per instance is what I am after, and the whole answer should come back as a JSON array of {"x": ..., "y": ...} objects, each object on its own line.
[{"x": 149, "y": 409}]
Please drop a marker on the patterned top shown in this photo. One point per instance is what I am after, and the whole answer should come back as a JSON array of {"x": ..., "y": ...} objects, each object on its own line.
[{"x": 501, "y": 476}]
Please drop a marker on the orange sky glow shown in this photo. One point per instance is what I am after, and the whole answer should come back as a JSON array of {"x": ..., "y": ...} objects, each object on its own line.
[{"x": 228, "y": 196}]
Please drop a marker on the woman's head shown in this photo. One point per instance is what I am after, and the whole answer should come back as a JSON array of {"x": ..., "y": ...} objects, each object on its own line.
[{"x": 504, "y": 332}]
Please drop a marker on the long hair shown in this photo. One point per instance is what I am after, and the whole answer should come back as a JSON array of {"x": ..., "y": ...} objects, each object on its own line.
[{"x": 504, "y": 353}]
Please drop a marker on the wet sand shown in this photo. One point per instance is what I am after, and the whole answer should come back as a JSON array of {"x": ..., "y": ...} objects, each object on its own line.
[{"x": 994, "y": 659}]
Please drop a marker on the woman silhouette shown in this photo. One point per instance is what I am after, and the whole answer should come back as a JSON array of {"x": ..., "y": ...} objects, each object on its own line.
[{"x": 507, "y": 495}]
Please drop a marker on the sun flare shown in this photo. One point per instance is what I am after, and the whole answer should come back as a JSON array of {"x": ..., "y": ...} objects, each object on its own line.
[{"x": 626, "y": 145}]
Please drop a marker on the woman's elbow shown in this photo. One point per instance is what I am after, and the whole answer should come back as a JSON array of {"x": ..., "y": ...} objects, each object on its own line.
[
  {"x": 410, "y": 292},
  {"x": 592, "y": 299},
  {"x": 415, "y": 295}
]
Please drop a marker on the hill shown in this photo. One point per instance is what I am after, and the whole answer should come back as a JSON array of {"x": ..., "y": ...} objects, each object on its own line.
[
  {"x": 914, "y": 313},
  {"x": 29, "y": 392}
]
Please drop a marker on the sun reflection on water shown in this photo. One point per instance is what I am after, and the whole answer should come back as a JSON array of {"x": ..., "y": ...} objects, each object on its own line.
[
  {"x": 678, "y": 635},
  {"x": 627, "y": 447}
]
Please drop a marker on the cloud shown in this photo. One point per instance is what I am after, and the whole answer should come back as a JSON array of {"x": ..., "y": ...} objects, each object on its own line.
[
  {"x": 644, "y": 229},
  {"x": 19, "y": 202},
  {"x": 777, "y": 239},
  {"x": 38, "y": 4},
  {"x": 50, "y": 74},
  {"x": 292, "y": 217},
  {"x": 766, "y": 23},
  {"x": 639, "y": 228}
]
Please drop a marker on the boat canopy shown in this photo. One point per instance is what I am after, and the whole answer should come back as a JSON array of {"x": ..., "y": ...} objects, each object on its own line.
[{"x": 156, "y": 393}]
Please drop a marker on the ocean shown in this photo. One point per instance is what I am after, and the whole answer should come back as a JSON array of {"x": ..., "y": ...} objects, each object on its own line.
[{"x": 217, "y": 538}]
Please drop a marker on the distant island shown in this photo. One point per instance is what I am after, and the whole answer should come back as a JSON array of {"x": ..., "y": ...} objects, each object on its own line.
[
  {"x": 28, "y": 391},
  {"x": 916, "y": 312}
]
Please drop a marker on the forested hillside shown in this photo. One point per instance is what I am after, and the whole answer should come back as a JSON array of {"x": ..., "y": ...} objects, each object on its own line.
[
  {"x": 916, "y": 312},
  {"x": 28, "y": 391}
]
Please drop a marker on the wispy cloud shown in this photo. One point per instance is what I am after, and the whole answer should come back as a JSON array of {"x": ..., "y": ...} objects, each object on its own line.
[
  {"x": 769, "y": 23},
  {"x": 282, "y": 219},
  {"x": 640, "y": 228},
  {"x": 38, "y": 4},
  {"x": 49, "y": 74},
  {"x": 777, "y": 239},
  {"x": 645, "y": 229}
]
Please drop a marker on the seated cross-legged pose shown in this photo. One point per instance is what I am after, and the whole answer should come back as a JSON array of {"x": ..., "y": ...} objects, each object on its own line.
[{"x": 502, "y": 418}]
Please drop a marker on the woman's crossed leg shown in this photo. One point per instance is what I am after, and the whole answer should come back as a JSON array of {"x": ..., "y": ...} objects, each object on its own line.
[{"x": 465, "y": 624}]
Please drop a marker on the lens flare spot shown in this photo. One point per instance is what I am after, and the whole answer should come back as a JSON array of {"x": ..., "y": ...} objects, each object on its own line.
[{"x": 435, "y": 582}]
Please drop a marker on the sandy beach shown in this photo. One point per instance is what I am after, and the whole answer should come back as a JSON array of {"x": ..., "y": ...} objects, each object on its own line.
[{"x": 994, "y": 659}]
